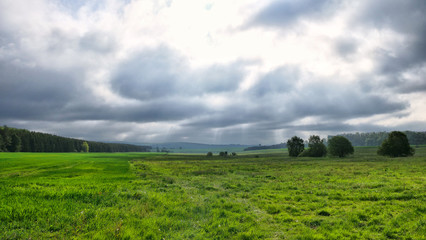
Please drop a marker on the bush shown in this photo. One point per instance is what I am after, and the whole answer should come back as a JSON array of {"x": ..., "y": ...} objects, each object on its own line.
[
  {"x": 396, "y": 145},
  {"x": 209, "y": 154},
  {"x": 295, "y": 146},
  {"x": 340, "y": 146}
]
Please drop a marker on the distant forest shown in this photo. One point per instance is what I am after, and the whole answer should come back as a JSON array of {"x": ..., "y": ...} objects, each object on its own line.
[
  {"x": 21, "y": 140},
  {"x": 260, "y": 147},
  {"x": 376, "y": 138},
  {"x": 359, "y": 140}
]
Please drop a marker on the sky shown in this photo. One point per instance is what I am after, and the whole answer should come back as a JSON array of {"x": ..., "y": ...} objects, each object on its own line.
[{"x": 218, "y": 72}]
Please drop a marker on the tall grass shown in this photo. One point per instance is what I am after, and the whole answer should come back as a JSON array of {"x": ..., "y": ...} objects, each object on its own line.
[{"x": 258, "y": 196}]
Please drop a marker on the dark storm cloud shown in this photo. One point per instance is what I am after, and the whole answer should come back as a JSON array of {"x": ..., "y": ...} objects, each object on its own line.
[
  {"x": 275, "y": 107},
  {"x": 151, "y": 74},
  {"x": 406, "y": 18},
  {"x": 403, "y": 16},
  {"x": 338, "y": 101},
  {"x": 33, "y": 92},
  {"x": 278, "y": 81},
  {"x": 168, "y": 109},
  {"x": 162, "y": 84},
  {"x": 344, "y": 105},
  {"x": 215, "y": 79},
  {"x": 283, "y": 13},
  {"x": 164, "y": 110},
  {"x": 161, "y": 72}
]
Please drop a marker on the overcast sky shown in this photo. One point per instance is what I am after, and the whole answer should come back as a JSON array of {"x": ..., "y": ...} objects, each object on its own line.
[{"x": 242, "y": 71}]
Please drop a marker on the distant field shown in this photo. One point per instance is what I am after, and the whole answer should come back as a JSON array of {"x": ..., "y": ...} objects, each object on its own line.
[
  {"x": 206, "y": 150},
  {"x": 259, "y": 195}
]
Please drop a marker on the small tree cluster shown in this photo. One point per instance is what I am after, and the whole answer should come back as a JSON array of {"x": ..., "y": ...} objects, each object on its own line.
[
  {"x": 316, "y": 145},
  {"x": 223, "y": 154},
  {"x": 396, "y": 145},
  {"x": 316, "y": 148}
]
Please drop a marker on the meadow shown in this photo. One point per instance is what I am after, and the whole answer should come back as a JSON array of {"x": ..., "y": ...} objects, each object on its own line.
[{"x": 258, "y": 195}]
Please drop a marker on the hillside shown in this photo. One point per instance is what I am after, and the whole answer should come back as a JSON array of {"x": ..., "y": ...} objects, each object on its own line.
[{"x": 22, "y": 140}]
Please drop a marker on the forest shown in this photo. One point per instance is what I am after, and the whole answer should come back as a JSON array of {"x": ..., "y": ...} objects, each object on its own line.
[
  {"x": 376, "y": 138},
  {"x": 371, "y": 139},
  {"x": 260, "y": 147},
  {"x": 22, "y": 140}
]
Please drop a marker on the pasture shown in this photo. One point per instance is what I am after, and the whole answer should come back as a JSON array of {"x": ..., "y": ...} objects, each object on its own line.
[{"x": 176, "y": 196}]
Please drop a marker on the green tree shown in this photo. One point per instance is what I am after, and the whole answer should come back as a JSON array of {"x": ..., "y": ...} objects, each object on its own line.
[
  {"x": 316, "y": 148},
  {"x": 340, "y": 146},
  {"x": 1, "y": 144},
  {"x": 5, "y": 134},
  {"x": 396, "y": 145},
  {"x": 209, "y": 154},
  {"x": 295, "y": 146},
  {"x": 85, "y": 147},
  {"x": 15, "y": 144}
]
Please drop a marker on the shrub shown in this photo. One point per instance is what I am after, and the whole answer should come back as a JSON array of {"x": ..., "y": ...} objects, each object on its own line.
[
  {"x": 209, "y": 154},
  {"x": 396, "y": 145},
  {"x": 340, "y": 146},
  {"x": 295, "y": 146}
]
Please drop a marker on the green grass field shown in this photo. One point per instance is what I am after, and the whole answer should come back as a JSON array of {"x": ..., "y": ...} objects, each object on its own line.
[{"x": 253, "y": 196}]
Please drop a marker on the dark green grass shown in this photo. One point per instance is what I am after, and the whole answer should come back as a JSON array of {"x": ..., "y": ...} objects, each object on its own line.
[{"x": 259, "y": 196}]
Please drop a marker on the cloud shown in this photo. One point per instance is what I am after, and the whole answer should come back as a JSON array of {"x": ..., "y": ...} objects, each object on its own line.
[
  {"x": 278, "y": 81},
  {"x": 216, "y": 78},
  {"x": 405, "y": 57},
  {"x": 284, "y": 13},
  {"x": 98, "y": 42},
  {"x": 346, "y": 46},
  {"x": 34, "y": 92},
  {"x": 152, "y": 74},
  {"x": 342, "y": 103},
  {"x": 403, "y": 16},
  {"x": 161, "y": 73},
  {"x": 150, "y": 71}
]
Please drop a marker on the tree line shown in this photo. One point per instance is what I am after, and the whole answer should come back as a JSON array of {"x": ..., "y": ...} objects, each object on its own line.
[
  {"x": 377, "y": 138},
  {"x": 22, "y": 140},
  {"x": 396, "y": 144},
  {"x": 260, "y": 147}
]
